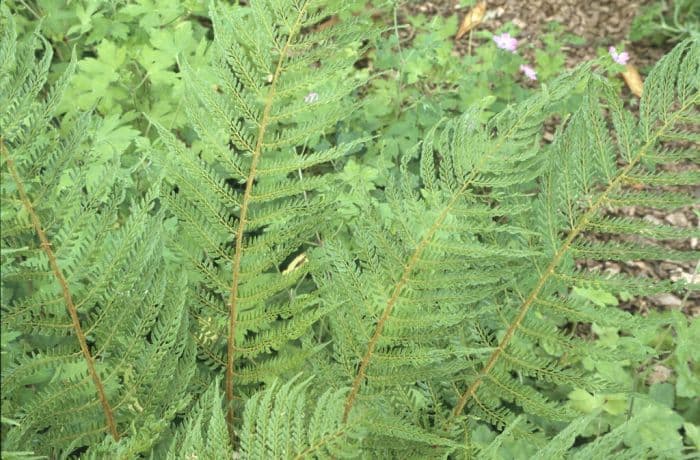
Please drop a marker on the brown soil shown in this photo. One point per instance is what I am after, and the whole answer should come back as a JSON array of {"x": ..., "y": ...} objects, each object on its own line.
[{"x": 599, "y": 23}]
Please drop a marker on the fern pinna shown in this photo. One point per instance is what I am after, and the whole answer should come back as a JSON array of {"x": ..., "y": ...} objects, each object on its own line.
[
  {"x": 247, "y": 204},
  {"x": 90, "y": 317}
]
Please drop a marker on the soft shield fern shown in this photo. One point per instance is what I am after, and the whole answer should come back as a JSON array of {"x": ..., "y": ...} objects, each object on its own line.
[
  {"x": 285, "y": 421},
  {"x": 230, "y": 312},
  {"x": 94, "y": 318},
  {"x": 246, "y": 201},
  {"x": 282, "y": 422},
  {"x": 204, "y": 433},
  {"x": 294, "y": 420},
  {"x": 580, "y": 179},
  {"x": 454, "y": 298},
  {"x": 418, "y": 296}
]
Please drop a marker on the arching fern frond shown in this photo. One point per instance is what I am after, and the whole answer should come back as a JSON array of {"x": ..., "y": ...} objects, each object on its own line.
[
  {"x": 580, "y": 179},
  {"x": 416, "y": 280},
  {"x": 247, "y": 192},
  {"x": 96, "y": 320}
]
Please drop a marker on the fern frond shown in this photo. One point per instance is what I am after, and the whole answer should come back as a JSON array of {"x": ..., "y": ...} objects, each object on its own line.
[
  {"x": 250, "y": 201},
  {"x": 31, "y": 85},
  {"x": 109, "y": 321},
  {"x": 450, "y": 236},
  {"x": 581, "y": 177},
  {"x": 281, "y": 423},
  {"x": 204, "y": 433},
  {"x": 467, "y": 282}
]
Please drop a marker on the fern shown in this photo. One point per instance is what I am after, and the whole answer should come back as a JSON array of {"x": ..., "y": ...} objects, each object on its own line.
[
  {"x": 614, "y": 443},
  {"x": 470, "y": 276},
  {"x": 282, "y": 422},
  {"x": 456, "y": 259},
  {"x": 582, "y": 174},
  {"x": 94, "y": 317},
  {"x": 204, "y": 435},
  {"x": 225, "y": 312},
  {"x": 246, "y": 204}
]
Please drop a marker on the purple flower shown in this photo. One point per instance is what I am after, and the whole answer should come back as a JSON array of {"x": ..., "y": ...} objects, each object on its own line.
[
  {"x": 311, "y": 98},
  {"x": 506, "y": 42},
  {"x": 528, "y": 71},
  {"x": 620, "y": 58}
]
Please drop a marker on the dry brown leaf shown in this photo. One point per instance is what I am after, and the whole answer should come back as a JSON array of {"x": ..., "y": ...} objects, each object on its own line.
[
  {"x": 659, "y": 374},
  {"x": 298, "y": 261},
  {"x": 333, "y": 20},
  {"x": 633, "y": 80},
  {"x": 472, "y": 19}
]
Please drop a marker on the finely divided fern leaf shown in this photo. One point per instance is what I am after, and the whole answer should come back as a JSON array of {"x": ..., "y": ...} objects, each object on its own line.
[
  {"x": 465, "y": 281},
  {"x": 247, "y": 203},
  {"x": 84, "y": 287},
  {"x": 281, "y": 422},
  {"x": 440, "y": 323},
  {"x": 204, "y": 434},
  {"x": 442, "y": 258},
  {"x": 581, "y": 176}
]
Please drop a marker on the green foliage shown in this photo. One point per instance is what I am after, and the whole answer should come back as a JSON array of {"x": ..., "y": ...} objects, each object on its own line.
[
  {"x": 423, "y": 80},
  {"x": 127, "y": 52},
  {"x": 245, "y": 184},
  {"x": 550, "y": 60},
  {"x": 662, "y": 20},
  {"x": 204, "y": 434},
  {"x": 461, "y": 276},
  {"x": 277, "y": 424},
  {"x": 308, "y": 200},
  {"x": 90, "y": 315}
]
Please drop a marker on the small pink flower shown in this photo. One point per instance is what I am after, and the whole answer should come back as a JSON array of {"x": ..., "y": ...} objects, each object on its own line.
[
  {"x": 506, "y": 42},
  {"x": 620, "y": 58},
  {"x": 528, "y": 71}
]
